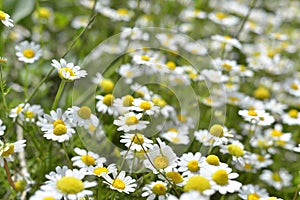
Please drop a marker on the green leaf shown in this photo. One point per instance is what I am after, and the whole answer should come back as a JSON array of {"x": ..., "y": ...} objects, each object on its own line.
[{"x": 21, "y": 9}]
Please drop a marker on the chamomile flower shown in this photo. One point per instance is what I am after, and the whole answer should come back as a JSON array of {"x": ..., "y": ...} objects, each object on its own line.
[
  {"x": 28, "y": 52},
  {"x": 120, "y": 182},
  {"x": 121, "y": 14},
  {"x": 82, "y": 117},
  {"x": 260, "y": 117},
  {"x": 42, "y": 194},
  {"x": 227, "y": 42},
  {"x": 165, "y": 109},
  {"x": 142, "y": 91},
  {"x": 277, "y": 179},
  {"x": 5, "y": 19},
  {"x": 130, "y": 122},
  {"x": 67, "y": 71},
  {"x": 253, "y": 192},
  {"x": 15, "y": 112},
  {"x": 124, "y": 104},
  {"x": 292, "y": 117},
  {"x": 162, "y": 157},
  {"x": 106, "y": 104},
  {"x": 136, "y": 141},
  {"x": 223, "y": 19},
  {"x": 144, "y": 106},
  {"x": 31, "y": 112},
  {"x": 176, "y": 138},
  {"x": 222, "y": 178},
  {"x": 190, "y": 163},
  {"x": 99, "y": 170},
  {"x": 106, "y": 84},
  {"x": 56, "y": 126},
  {"x": 129, "y": 72},
  {"x": 2, "y": 128},
  {"x": 7, "y": 149},
  {"x": 155, "y": 189},
  {"x": 86, "y": 158},
  {"x": 68, "y": 183},
  {"x": 235, "y": 149}
]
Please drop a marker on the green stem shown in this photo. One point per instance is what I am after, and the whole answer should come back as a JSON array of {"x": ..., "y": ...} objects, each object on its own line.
[
  {"x": 9, "y": 178},
  {"x": 245, "y": 19},
  {"x": 2, "y": 89},
  {"x": 223, "y": 197},
  {"x": 26, "y": 81},
  {"x": 67, "y": 155},
  {"x": 296, "y": 192},
  {"x": 58, "y": 94}
]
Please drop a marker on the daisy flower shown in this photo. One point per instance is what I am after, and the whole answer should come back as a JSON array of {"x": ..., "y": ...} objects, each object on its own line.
[
  {"x": 161, "y": 158},
  {"x": 176, "y": 138},
  {"x": 2, "y": 128},
  {"x": 86, "y": 158},
  {"x": 155, "y": 189},
  {"x": 221, "y": 178},
  {"x": 31, "y": 112},
  {"x": 28, "y": 52},
  {"x": 68, "y": 183},
  {"x": 144, "y": 106},
  {"x": 141, "y": 91},
  {"x": 129, "y": 72},
  {"x": 165, "y": 109},
  {"x": 67, "y": 71},
  {"x": 261, "y": 117},
  {"x": 291, "y": 118},
  {"x": 227, "y": 41},
  {"x": 82, "y": 117},
  {"x": 7, "y": 149},
  {"x": 278, "y": 180},
  {"x": 106, "y": 104},
  {"x": 121, "y": 183},
  {"x": 15, "y": 112},
  {"x": 100, "y": 169},
  {"x": 124, "y": 104},
  {"x": 56, "y": 126},
  {"x": 253, "y": 192},
  {"x": 5, "y": 19},
  {"x": 136, "y": 141},
  {"x": 121, "y": 14},
  {"x": 223, "y": 19},
  {"x": 106, "y": 84},
  {"x": 190, "y": 163},
  {"x": 130, "y": 122},
  {"x": 235, "y": 149}
]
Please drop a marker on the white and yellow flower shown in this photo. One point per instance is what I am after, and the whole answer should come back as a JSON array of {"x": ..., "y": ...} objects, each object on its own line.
[
  {"x": 130, "y": 122},
  {"x": 190, "y": 163},
  {"x": 154, "y": 190},
  {"x": 28, "y": 52},
  {"x": 120, "y": 182},
  {"x": 86, "y": 158},
  {"x": 7, "y": 149},
  {"x": 136, "y": 141},
  {"x": 67, "y": 71},
  {"x": 5, "y": 19}
]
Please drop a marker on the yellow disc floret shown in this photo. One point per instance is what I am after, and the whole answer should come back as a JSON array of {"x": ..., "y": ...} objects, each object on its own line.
[
  {"x": 60, "y": 129},
  {"x": 88, "y": 160},
  {"x": 100, "y": 170},
  {"x": 107, "y": 85},
  {"x": 70, "y": 185},
  {"x": 119, "y": 184},
  {"x": 131, "y": 120},
  {"x": 2, "y": 15},
  {"x": 216, "y": 130},
  {"x": 137, "y": 138},
  {"x": 159, "y": 189},
  {"x": 213, "y": 160},
  {"x": 235, "y": 150},
  {"x": 161, "y": 162},
  {"x": 108, "y": 99},
  {"x": 175, "y": 177},
  {"x": 145, "y": 105},
  {"x": 193, "y": 166},
  {"x": 220, "y": 177},
  {"x": 127, "y": 100},
  {"x": 293, "y": 113},
  {"x": 253, "y": 196},
  {"x": 261, "y": 93},
  {"x": 20, "y": 185},
  {"x": 198, "y": 183},
  {"x": 28, "y": 53},
  {"x": 9, "y": 151},
  {"x": 84, "y": 112}
]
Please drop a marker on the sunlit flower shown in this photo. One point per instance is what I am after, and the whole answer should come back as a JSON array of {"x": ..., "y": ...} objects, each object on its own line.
[
  {"x": 120, "y": 182},
  {"x": 86, "y": 158},
  {"x": 67, "y": 71},
  {"x": 7, "y": 149},
  {"x": 106, "y": 104},
  {"x": 144, "y": 106},
  {"x": 190, "y": 163},
  {"x": 28, "y": 52},
  {"x": 82, "y": 116},
  {"x": 253, "y": 192},
  {"x": 5, "y": 19},
  {"x": 136, "y": 141},
  {"x": 31, "y": 112},
  {"x": 99, "y": 170},
  {"x": 130, "y": 122},
  {"x": 155, "y": 189},
  {"x": 277, "y": 179}
]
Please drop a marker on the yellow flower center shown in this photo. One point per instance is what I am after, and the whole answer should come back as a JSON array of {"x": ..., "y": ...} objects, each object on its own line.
[
  {"x": 221, "y": 15},
  {"x": 216, "y": 130},
  {"x": 131, "y": 120},
  {"x": 276, "y": 133},
  {"x": 29, "y": 114},
  {"x": 220, "y": 177},
  {"x": 227, "y": 37},
  {"x": 2, "y": 15},
  {"x": 66, "y": 70},
  {"x": 48, "y": 198},
  {"x": 122, "y": 11},
  {"x": 159, "y": 189},
  {"x": 84, "y": 112},
  {"x": 171, "y": 65},
  {"x": 145, "y": 57},
  {"x": 20, "y": 185},
  {"x": 253, "y": 196},
  {"x": 261, "y": 158},
  {"x": 193, "y": 166},
  {"x": 247, "y": 166},
  {"x": 175, "y": 177},
  {"x": 261, "y": 93},
  {"x": 145, "y": 105},
  {"x": 28, "y": 53},
  {"x": 107, "y": 85},
  {"x": 108, "y": 99},
  {"x": 293, "y": 113},
  {"x": 19, "y": 109},
  {"x": 227, "y": 66},
  {"x": 173, "y": 130},
  {"x": 161, "y": 162},
  {"x": 294, "y": 86},
  {"x": 281, "y": 142},
  {"x": 234, "y": 99},
  {"x": 213, "y": 160},
  {"x": 159, "y": 102},
  {"x": 175, "y": 139},
  {"x": 119, "y": 184},
  {"x": 127, "y": 100},
  {"x": 182, "y": 118},
  {"x": 271, "y": 53},
  {"x": 44, "y": 12},
  {"x": 59, "y": 121},
  {"x": 60, "y": 129},
  {"x": 276, "y": 177},
  {"x": 198, "y": 183},
  {"x": 9, "y": 151},
  {"x": 242, "y": 68},
  {"x": 235, "y": 150},
  {"x": 70, "y": 185},
  {"x": 100, "y": 170},
  {"x": 137, "y": 138},
  {"x": 252, "y": 113},
  {"x": 88, "y": 160}
]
